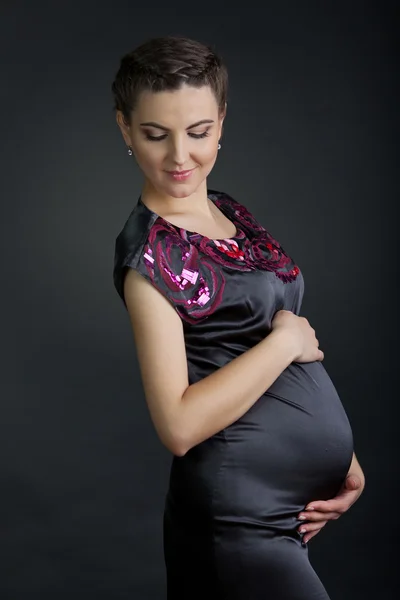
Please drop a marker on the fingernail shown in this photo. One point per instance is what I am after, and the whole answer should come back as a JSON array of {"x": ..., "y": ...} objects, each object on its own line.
[
  {"x": 303, "y": 530},
  {"x": 302, "y": 518},
  {"x": 310, "y": 508}
]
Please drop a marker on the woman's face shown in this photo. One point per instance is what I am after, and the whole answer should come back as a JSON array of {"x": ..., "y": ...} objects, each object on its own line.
[{"x": 175, "y": 131}]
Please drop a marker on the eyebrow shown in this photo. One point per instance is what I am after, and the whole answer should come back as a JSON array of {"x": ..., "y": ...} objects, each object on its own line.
[{"x": 152, "y": 124}]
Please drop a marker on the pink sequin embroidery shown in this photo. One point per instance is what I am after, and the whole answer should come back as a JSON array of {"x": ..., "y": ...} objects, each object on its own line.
[
  {"x": 189, "y": 264},
  {"x": 196, "y": 287}
]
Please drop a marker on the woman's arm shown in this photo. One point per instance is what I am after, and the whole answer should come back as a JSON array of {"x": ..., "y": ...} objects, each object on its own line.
[{"x": 185, "y": 415}]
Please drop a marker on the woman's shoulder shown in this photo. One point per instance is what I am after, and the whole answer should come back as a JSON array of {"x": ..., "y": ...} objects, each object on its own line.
[
  {"x": 130, "y": 243},
  {"x": 133, "y": 234},
  {"x": 153, "y": 247}
]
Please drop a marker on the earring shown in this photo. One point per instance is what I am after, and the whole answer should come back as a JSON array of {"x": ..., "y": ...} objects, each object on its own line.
[
  {"x": 219, "y": 146},
  {"x": 130, "y": 152}
]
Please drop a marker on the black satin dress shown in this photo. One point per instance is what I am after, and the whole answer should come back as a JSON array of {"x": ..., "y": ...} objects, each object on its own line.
[{"x": 230, "y": 520}]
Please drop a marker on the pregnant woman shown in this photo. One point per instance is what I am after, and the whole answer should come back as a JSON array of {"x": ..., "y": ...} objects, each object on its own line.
[{"x": 232, "y": 373}]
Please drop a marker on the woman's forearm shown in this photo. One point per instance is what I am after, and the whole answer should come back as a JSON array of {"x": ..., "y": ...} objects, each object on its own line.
[{"x": 221, "y": 398}]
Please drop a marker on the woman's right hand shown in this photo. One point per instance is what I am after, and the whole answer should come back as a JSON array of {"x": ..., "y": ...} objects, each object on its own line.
[{"x": 300, "y": 333}]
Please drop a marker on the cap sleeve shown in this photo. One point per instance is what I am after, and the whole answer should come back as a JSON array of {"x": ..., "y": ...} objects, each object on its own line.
[{"x": 192, "y": 283}]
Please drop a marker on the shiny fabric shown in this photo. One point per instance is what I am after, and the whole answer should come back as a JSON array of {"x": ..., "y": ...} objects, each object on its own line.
[{"x": 230, "y": 519}]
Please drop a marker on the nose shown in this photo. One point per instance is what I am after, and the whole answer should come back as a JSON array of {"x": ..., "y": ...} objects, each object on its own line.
[{"x": 178, "y": 151}]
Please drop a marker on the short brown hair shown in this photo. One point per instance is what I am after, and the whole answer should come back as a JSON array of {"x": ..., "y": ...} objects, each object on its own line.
[{"x": 167, "y": 63}]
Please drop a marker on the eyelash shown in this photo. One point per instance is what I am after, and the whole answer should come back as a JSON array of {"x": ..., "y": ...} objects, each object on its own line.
[{"x": 196, "y": 136}]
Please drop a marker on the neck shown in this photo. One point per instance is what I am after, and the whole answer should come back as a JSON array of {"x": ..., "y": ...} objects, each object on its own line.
[{"x": 163, "y": 204}]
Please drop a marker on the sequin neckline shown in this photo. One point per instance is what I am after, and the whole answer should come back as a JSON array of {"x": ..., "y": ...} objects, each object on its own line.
[
  {"x": 251, "y": 248},
  {"x": 189, "y": 235}
]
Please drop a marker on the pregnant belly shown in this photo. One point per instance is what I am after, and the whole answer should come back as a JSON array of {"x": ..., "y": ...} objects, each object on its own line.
[{"x": 292, "y": 446}]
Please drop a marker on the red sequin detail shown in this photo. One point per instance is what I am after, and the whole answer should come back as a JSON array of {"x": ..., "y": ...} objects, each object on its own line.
[
  {"x": 261, "y": 250},
  {"x": 189, "y": 264},
  {"x": 233, "y": 251}
]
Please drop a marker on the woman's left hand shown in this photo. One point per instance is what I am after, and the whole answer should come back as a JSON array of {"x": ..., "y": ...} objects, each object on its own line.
[{"x": 319, "y": 512}]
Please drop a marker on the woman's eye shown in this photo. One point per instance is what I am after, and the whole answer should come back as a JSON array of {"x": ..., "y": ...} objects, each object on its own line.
[
  {"x": 158, "y": 138},
  {"x": 154, "y": 138},
  {"x": 200, "y": 135}
]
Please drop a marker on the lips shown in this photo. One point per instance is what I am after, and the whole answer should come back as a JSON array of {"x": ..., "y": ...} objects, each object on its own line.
[{"x": 180, "y": 172}]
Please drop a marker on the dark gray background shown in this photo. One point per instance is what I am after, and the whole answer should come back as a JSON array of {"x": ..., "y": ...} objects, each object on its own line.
[{"x": 309, "y": 147}]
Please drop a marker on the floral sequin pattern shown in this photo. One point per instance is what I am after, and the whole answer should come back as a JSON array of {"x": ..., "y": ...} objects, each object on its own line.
[
  {"x": 195, "y": 287},
  {"x": 252, "y": 248}
]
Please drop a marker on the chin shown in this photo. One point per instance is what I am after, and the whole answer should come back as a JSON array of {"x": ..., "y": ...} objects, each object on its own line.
[
  {"x": 181, "y": 190},
  {"x": 181, "y": 193}
]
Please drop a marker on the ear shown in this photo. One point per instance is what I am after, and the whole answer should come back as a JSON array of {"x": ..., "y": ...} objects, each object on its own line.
[
  {"x": 123, "y": 127},
  {"x": 223, "y": 114},
  {"x": 221, "y": 120}
]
